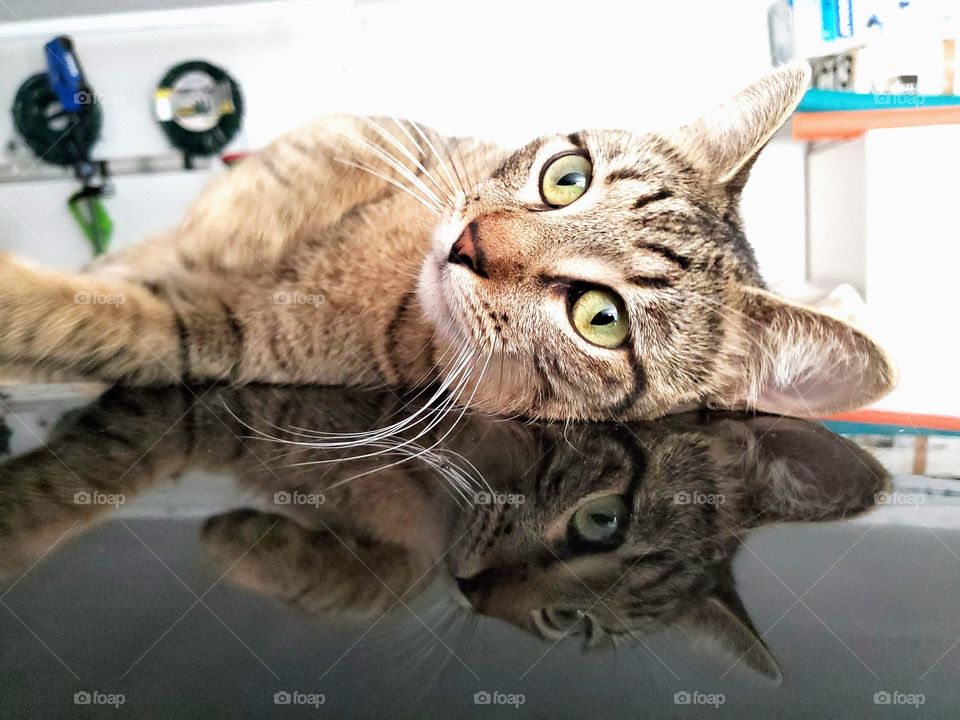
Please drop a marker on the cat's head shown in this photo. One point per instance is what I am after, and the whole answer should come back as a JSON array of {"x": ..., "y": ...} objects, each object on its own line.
[
  {"x": 606, "y": 274},
  {"x": 620, "y": 530}
]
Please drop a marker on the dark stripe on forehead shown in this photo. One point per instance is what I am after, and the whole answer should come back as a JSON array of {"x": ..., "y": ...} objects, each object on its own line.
[
  {"x": 665, "y": 252},
  {"x": 655, "y": 196},
  {"x": 625, "y": 174},
  {"x": 652, "y": 557},
  {"x": 667, "y": 572},
  {"x": 577, "y": 139},
  {"x": 672, "y": 155},
  {"x": 652, "y": 282}
]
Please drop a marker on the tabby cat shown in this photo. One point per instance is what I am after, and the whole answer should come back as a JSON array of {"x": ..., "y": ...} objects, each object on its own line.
[
  {"x": 604, "y": 530},
  {"x": 596, "y": 275}
]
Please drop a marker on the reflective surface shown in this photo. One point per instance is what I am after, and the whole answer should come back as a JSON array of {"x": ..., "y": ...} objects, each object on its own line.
[{"x": 216, "y": 552}]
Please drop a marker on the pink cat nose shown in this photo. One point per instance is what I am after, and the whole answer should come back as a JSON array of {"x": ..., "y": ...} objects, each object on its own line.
[{"x": 466, "y": 250}]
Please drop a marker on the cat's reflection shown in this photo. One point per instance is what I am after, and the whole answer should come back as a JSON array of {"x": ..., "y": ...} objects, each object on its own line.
[{"x": 601, "y": 531}]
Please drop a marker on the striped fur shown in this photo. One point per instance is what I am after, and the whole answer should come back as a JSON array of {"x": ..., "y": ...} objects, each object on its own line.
[{"x": 325, "y": 258}]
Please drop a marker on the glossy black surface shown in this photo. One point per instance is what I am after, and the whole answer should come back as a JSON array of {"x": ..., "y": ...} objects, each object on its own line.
[{"x": 160, "y": 557}]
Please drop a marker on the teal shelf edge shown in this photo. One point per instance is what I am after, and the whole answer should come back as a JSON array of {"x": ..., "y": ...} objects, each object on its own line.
[
  {"x": 844, "y": 427},
  {"x": 815, "y": 100}
]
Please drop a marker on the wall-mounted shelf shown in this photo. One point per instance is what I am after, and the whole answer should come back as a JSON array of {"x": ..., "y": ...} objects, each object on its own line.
[
  {"x": 845, "y": 124},
  {"x": 38, "y": 171}
]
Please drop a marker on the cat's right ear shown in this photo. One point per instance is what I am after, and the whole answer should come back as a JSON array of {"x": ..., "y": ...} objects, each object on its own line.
[
  {"x": 724, "y": 143},
  {"x": 788, "y": 359}
]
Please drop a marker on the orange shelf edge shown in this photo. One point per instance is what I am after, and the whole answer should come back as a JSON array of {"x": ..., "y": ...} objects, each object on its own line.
[{"x": 846, "y": 124}]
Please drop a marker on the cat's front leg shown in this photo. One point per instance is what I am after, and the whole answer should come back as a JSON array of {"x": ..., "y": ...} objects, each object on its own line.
[
  {"x": 104, "y": 328},
  {"x": 320, "y": 570}
]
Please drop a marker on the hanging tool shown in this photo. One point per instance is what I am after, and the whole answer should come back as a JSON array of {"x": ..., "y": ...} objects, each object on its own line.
[
  {"x": 199, "y": 107},
  {"x": 69, "y": 84}
]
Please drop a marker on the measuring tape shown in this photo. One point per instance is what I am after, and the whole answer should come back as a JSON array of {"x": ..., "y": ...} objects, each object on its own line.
[{"x": 199, "y": 107}]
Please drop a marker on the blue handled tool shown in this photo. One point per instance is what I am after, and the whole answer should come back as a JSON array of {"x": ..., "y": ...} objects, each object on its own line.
[
  {"x": 66, "y": 75},
  {"x": 66, "y": 79}
]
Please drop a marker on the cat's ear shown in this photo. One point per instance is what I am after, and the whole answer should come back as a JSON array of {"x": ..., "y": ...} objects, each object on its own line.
[
  {"x": 724, "y": 143},
  {"x": 791, "y": 360},
  {"x": 791, "y": 469},
  {"x": 722, "y": 618}
]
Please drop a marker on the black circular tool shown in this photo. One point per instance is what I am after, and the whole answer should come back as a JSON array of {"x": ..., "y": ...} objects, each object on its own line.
[
  {"x": 199, "y": 107},
  {"x": 46, "y": 127}
]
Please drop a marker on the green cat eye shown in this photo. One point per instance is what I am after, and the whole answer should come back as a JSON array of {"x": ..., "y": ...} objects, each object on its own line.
[
  {"x": 600, "y": 521},
  {"x": 565, "y": 178},
  {"x": 600, "y": 318},
  {"x": 565, "y": 620}
]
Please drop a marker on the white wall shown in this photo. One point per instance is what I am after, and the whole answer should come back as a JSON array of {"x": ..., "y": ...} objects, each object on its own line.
[
  {"x": 836, "y": 234},
  {"x": 503, "y": 70},
  {"x": 883, "y": 217},
  {"x": 913, "y": 259}
]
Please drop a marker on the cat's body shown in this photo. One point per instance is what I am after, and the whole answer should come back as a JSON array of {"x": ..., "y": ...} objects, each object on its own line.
[
  {"x": 367, "y": 252},
  {"x": 294, "y": 268}
]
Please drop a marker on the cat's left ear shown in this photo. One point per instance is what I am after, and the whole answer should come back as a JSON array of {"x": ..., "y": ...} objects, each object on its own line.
[
  {"x": 791, "y": 360},
  {"x": 724, "y": 143}
]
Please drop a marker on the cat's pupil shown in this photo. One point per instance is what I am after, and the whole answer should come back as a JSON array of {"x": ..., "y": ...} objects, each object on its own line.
[
  {"x": 604, "y": 519},
  {"x": 604, "y": 317},
  {"x": 573, "y": 178}
]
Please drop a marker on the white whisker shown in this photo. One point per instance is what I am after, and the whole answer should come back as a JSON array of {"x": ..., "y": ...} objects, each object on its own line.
[
  {"x": 390, "y": 138},
  {"x": 443, "y": 165},
  {"x": 435, "y": 210},
  {"x": 395, "y": 164}
]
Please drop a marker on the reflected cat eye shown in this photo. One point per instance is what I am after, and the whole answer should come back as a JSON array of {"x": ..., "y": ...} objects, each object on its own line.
[
  {"x": 562, "y": 621},
  {"x": 600, "y": 523},
  {"x": 565, "y": 178}
]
